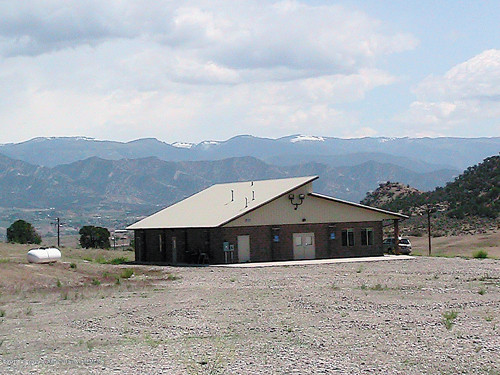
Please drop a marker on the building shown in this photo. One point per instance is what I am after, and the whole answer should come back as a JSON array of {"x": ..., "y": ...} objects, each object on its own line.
[{"x": 258, "y": 221}]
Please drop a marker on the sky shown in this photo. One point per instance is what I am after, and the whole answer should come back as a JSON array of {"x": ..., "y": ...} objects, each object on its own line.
[{"x": 210, "y": 70}]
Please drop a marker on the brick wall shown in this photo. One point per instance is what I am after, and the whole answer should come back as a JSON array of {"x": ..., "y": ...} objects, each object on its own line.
[{"x": 263, "y": 248}]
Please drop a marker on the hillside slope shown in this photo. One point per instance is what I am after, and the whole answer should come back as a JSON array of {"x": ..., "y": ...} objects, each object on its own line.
[
  {"x": 476, "y": 192},
  {"x": 151, "y": 182},
  {"x": 469, "y": 204}
]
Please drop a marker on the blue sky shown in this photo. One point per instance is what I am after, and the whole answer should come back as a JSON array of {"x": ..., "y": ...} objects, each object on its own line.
[{"x": 198, "y": 70}]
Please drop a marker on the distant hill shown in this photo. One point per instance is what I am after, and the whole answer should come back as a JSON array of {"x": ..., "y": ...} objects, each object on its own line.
[
  {"x": 387, "y": 193},
  {"x": 469, "y": 204},
  {"x": 151, "y": 181},
  {"x": 417, "y": 154},
  {"x": 29, "y": 186},
  {"x": 476, "y": 192}
]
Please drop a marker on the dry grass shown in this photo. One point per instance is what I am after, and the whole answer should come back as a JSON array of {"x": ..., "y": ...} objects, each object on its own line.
[
  {"x": 16, "y": 274},
  {"x": 465, "y": 245}
]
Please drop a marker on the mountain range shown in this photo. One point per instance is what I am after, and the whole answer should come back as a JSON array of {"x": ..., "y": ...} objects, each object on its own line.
[
  {"x": 151, "y": 182},
  {"x": 125, "y": 180},
  {"x": 417, "y": 154}
]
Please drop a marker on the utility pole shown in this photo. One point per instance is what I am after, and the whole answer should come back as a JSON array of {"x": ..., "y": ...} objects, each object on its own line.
[
  {"x": 429, "y": 228},
  {"x": 58, "y": 224},
  {"x": 58, "y": 232}
]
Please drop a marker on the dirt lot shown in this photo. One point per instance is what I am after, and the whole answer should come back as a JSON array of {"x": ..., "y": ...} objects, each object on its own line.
[{"x": 419, "y": 316}]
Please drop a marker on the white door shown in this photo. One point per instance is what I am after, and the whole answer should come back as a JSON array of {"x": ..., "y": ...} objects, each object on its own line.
[
  {"x": 303, "y": 246},
  {"x": 243, "y": 249}
]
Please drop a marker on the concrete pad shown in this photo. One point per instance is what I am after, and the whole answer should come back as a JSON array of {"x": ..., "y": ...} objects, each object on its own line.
[{"x": 315, "y": 261}]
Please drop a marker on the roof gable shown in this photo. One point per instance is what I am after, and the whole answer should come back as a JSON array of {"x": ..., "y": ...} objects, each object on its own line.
[{"x": 220, "y": 204}]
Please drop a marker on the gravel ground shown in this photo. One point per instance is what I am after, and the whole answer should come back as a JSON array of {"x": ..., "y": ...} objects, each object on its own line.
[{"x": 381, "y": 317}]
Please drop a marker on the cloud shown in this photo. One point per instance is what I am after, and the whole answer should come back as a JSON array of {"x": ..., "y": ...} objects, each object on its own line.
[
  {"x": 465, "y": 96},
  {"x": 202, "y": 69},
  {"x": 307, "y": 40}
]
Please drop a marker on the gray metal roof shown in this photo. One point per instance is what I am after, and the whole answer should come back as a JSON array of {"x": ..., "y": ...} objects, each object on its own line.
[{"x": 221, "y": 203}]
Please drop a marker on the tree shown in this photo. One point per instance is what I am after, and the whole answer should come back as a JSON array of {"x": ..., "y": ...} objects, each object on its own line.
[
  {"x": 95, "y": 237},
  {"x": 23, "y": 232}
]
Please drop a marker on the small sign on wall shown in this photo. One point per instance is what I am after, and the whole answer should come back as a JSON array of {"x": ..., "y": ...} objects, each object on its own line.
[
  {"x": 276, "y": 238},
  {"x": 332, "y": 235}
]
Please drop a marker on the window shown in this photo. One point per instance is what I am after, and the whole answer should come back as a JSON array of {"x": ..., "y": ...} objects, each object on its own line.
[
  {"x": 298, "y": 241},
  {"x": 367, "y": 236},
  {"x": 348, "y": 237}
]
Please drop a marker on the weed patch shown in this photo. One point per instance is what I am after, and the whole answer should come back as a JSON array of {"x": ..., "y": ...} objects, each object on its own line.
[
  {"x": 448, "y": 319},
  {"x": 480, "y": 254},
  {"x": 379, "y": 287},
  {"x": 127, "y": 273},
  {"x": 151, "y": 342},
  {"x": 119, "y": 260}
]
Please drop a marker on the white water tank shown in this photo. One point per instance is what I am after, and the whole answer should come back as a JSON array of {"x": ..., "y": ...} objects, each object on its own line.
[{"x": 44, "y": 255}]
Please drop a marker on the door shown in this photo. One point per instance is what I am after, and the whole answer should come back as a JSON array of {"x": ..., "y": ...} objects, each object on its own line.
[
  {"x": 174, "y": 250},
  {"x": 303, "y": 246},
  {"x": 243, "y": 249}
]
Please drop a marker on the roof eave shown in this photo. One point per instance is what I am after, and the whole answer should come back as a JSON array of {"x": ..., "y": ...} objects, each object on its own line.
[{"x": 401, "y": 216}]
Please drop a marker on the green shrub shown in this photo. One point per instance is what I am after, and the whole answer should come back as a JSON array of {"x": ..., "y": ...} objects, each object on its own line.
[
  {"x": 378, "y": 287},
  {"x": 119, "y": 260},
  {"x": 96, "y": 281},
  {"x": 449, "y": 317},
  {"x": 480, "y": 254},
  {"x": 100, "y": 259},
  {"x": 72, "y": 265},
  {"x": 127, "y": 273}
]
